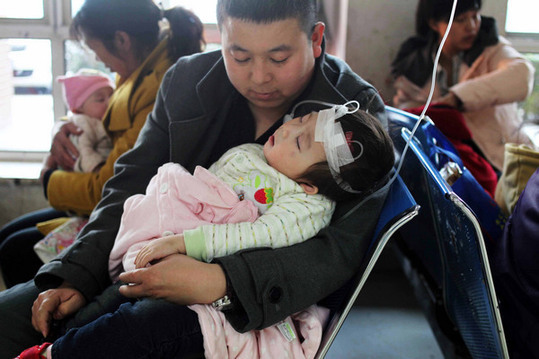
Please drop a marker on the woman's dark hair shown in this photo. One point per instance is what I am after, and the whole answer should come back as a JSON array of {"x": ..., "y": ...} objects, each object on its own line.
[
  {"x": 100, "y": 19},
  {"x": 439, "y": 10},
  {"x": 265, "y": 12},
  {"x": 369, "y": 171}
]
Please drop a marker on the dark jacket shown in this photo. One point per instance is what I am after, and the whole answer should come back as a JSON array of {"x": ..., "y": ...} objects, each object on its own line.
[
  {"x": 515, "y": 268},
  {"x": 190, "y": 111}
]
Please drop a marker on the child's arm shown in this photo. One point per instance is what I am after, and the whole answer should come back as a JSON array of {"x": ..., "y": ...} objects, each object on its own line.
[
  {"x": 160, "y": 248},
  {"x": 292, "y": 219}
]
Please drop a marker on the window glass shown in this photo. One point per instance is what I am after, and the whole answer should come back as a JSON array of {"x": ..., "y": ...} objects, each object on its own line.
[
  {"x": 205, "y": 10},
  {"x": 22, "y": 9},
  {"x": 75, "y": 6},
  {"x": 522, "y": 16},
  {"x": 26, "y": 109}
]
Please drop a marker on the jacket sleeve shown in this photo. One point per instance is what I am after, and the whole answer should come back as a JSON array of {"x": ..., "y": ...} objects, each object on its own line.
[
  {"x": 85, "y": 263},
  {"x": 291, "y": 219},
  {"x": 80, "y": 192},
  {"x": 509, "y": 79}
]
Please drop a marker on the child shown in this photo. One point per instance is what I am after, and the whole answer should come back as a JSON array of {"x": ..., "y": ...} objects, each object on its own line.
[
  {"x": 87, "y": 95},
  {"x": 294, "y": 179}
]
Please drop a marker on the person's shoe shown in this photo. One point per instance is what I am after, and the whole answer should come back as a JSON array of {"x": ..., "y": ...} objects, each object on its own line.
[{"x": 35, "y": 352}]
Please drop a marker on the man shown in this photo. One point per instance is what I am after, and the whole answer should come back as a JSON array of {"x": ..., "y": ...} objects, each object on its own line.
[{"x": 272, "y": 57}]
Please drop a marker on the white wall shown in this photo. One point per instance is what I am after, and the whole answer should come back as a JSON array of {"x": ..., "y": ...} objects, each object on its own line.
[{"x": 377, "y": 28}]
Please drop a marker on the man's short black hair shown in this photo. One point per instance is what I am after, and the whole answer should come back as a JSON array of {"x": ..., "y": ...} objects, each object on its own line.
[{"x": 268, "y": 11}]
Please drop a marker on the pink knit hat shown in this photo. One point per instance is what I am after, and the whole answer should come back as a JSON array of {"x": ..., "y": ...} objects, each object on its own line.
[{"x": 78, "y": 87}]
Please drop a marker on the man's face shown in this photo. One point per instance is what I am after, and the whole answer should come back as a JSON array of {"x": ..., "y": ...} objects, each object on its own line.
[{"x": 269, "y": 64}]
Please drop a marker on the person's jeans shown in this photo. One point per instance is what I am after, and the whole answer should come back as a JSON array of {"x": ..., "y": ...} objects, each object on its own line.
[
  {"x": 147, "y": 328},
  {"x": 18, "y": 261}
]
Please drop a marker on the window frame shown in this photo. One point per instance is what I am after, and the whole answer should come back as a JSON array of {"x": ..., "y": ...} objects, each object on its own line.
[{"x": 54, "y": 26}]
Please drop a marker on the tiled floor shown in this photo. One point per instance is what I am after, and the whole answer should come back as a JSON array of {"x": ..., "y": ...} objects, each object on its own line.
[{"x": 386, "y": 322}]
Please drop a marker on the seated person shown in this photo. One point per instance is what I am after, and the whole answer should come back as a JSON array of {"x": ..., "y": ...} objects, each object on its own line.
[
  {"x": 87, "y": 95},
  {"x": 294, "y": 179},
  {"x": 480, "y": 73},
  {"x": 272, "y": 58}
]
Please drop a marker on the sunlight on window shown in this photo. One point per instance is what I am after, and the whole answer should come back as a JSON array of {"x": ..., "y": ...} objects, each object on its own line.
[
  {"x": 522, "y": 16},
  {"x": 26, "y": 113},
  {"x": 28, "y": 9},
  {"x": 205, "y": 10}
]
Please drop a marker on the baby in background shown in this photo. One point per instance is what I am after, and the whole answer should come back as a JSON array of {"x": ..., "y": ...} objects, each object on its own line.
[{"x": 87, "y": 95}]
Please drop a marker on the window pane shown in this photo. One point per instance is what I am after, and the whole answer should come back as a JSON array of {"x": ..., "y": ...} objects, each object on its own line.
[
  {"x": 22, "y": 9},
  {"x": 205, "y": 10},
  {"x": 75, "y": 6},
  {"x": 26, "y": 110},
  {"x": 522, "y": 16}
]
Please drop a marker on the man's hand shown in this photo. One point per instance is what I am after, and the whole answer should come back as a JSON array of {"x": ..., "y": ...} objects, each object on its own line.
[
  {"x": 63, "y": 151},
  {"x": 177, "y": 278},
  {"x": 55, "y": 304},
  {"x": 160, "y": 248}
]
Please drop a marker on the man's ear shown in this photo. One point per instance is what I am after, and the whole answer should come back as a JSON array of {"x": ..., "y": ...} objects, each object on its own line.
[
  {"x": 316, "y": 38},
  {"x": 122, "y": 41},
  {"x": 309, "y": 188}
]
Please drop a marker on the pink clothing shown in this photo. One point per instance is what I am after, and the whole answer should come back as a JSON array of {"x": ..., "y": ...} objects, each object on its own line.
[
  {"x": 222, "y": 341},
  {"x": 175, "y": 201}
]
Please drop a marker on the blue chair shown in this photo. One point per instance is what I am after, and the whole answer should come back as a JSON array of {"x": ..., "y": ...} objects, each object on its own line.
[
  {"x": 445, "y": 255},
  {"x": 399, "y": 208}
]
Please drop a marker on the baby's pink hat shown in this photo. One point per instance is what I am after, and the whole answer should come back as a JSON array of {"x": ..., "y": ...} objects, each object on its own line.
[{"x": 78, "y": 87}]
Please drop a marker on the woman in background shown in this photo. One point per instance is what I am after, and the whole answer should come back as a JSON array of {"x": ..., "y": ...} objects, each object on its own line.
[
  {"x": 480, "y": 73},
  {"x": 126, "y": 36}
]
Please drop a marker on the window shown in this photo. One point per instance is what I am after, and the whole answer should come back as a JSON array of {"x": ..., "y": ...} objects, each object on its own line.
[
  {"x": 34, "y": 50},
  {"x": 522, "y": 29}
]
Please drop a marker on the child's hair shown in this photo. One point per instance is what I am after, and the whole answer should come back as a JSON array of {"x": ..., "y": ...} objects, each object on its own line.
[
  {"x": 100, "y": 19},
  {"x": 439, "y": 10},
  {"x": 265, "y": 12},
  {"x": 369, "y": 171}
]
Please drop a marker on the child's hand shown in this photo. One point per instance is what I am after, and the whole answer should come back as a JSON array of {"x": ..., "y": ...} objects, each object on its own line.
[{"x": 160, "y": 248}]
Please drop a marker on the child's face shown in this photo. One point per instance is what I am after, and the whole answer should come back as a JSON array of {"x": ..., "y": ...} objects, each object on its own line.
[
  {"x": 96, "y": 105},
  {"x": 292, "y": 149}
]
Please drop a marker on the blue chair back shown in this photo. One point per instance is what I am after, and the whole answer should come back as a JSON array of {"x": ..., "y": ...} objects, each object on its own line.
[
  {"x": 446, "y": 245},
  {"x": 399, "y": 208}
]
